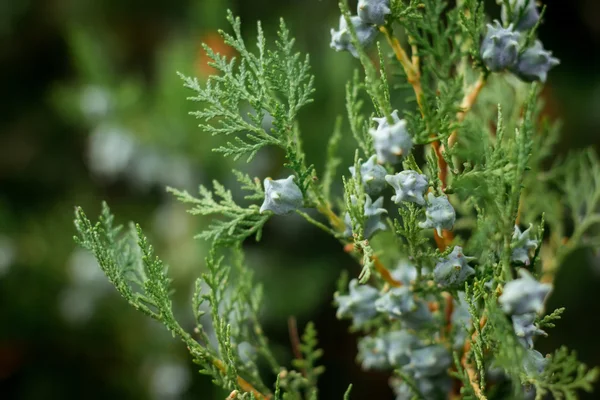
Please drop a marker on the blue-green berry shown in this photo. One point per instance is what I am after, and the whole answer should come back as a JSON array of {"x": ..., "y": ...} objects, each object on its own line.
[
  {"x": 374, "y": 11},
  {"x": 400, "y": 344},
  {"x": 500, "y": 47},
  {"x": 404, "y": 272},
  {"x": 392, "y": 142},
  {"x": 454, "y": 269},
  {"x": 429, "y": 361},
  {"x": 525, "y": 329},
  {"x": 358, "y": 304},
  {"x": 373, "y": 221},
  {"x": 401, "y": 303},
  {"x": 282, "y": 196},
  {"x": 372, "y": 353},
  {"x": 534, "y": 63},
  {"x": 409, "y": 186},
  {"x": 439, "y": 213},
  {"x": 397, "y": 302},
  {"x": 372, "y": 175},
  {"x": 341, "y": 39},
  {"x": 524, "y": 14},
  {"x": 522, "y": 245},
  {"x": 524, "y": 295},
  {"x": 534, "y": 362}
]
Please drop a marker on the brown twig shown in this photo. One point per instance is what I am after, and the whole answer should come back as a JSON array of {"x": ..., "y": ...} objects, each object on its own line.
[
  {"x": 443, "y": 241},
  {"x": 295, "y": 340},
  {"x": 383, "y": 271},
  {"x": 466, "y": 105},
  {"x": 334, "y": 220},
  {"x": 413, "y": 74},
  {"x": 243, "y": 384},
  {"x": 468, "y": 367}
]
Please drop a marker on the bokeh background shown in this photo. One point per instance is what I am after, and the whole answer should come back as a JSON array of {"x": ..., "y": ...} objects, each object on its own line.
[{"x": 92, "y": 110}]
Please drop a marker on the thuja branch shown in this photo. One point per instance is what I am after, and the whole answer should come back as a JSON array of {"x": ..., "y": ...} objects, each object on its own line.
[{"x": 412, "y": 316}]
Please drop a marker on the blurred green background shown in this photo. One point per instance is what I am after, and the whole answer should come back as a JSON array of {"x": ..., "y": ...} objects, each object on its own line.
[{"x": 93, "y": 110}]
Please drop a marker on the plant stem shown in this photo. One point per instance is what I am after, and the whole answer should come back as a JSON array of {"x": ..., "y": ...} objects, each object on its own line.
[
  {"x": 244, "y": 384},
  {"x": 468, "y": 367},
  {"x": 295, "y": 340},
  {"x": 385, "y": 274},
  {"x": 466, "y": 105},
  {"x": 413, "y": 75},
  {"x": 383, "y": 271},
  {"x": 315, "y": 222}
]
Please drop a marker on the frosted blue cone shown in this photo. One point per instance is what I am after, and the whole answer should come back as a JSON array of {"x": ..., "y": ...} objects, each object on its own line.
[
  {"x": 400, "y": 303},
  {"x": 404, "y": 272},
  {"x": 500, "y": 47},
  {"x": 525, "y": 329},
  {"x": 429, "y": 361},
  {"x": 341, "y": 39},
  {"x": 372, "y": 175},
  {"x": 439, "y": 214},
  {"x": 282, "y": 196},
  {"x": 524, "y": 295},
  {"x": 392, "y": 142},
  {"x": 522, "y": 246},
  {"x": 534, "y": 63},
  {"x": 409, "y": 186},
  {"x": 358, "y": 304},
  {"x": 454, "y": 269},
  {"x": 373, "y": 212},
  {"x": 372, "y": 353},
  {"x": 373, "y": 11},
  {"x": 400, "y": 344},
  {"x": 525, "y": 14}
]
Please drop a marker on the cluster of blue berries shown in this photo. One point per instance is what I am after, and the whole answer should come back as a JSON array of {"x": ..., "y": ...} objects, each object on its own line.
[
  {"x": 523, "y": 299},
  {"x": 501, "y": 47},
  {"x": 392, "y": 143},
  {"x": 426, "y": 361},
  {"x": 282, "y": 196},
  {"x": 371, "y": 13},
  {"x": 521, "y": 245}
]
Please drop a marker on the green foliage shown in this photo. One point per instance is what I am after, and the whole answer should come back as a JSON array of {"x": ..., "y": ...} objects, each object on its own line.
[
  {"x": 240, "y": 222},
  {"x": 483, "y": 148},
  {"x": 548, "y": 321},
  {"x": 274, "y": 83},
  {"x": 580, "y": 185},
  {"x": 563, "y": 376},
  {"x": 308, "y": 363}
]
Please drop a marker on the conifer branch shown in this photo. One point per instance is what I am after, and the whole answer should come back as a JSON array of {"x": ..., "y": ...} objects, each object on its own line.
[
  {"x": 411, "y": 69},
  {"x": 440, "y": 313}
]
